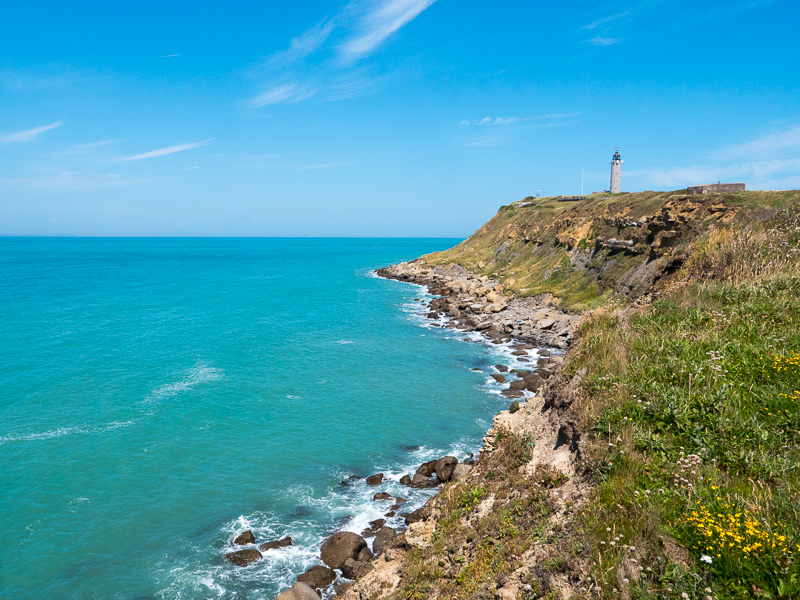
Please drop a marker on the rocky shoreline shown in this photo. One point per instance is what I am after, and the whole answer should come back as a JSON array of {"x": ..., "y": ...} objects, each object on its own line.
[{"x": 535, "y": 330}]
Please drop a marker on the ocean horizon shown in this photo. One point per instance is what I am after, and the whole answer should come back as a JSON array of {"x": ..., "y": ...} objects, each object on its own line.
[{"x": 162, "y": 395}]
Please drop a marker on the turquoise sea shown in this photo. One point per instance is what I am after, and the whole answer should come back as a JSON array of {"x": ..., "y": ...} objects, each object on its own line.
[{"x": 158, "y": 396}]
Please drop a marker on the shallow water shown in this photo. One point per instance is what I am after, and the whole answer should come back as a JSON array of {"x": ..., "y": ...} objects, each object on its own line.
[{"x": 161, "y": 395}]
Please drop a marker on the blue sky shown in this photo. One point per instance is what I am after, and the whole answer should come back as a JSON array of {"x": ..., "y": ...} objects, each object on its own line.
[{"x": 379, "y": 117}]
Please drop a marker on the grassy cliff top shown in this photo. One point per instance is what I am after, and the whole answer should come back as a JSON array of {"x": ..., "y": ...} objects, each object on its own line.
[{"x": 586, "y": 251}]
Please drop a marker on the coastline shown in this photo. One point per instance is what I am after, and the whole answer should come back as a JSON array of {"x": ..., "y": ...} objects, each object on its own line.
[{"x": 538, "y": 333}]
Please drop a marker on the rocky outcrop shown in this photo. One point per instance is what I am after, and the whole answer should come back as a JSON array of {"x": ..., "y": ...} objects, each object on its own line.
[
  {"x": 445, "y": 467},
  {"x": 375, "y": 479},
  {"x": 287, "y": 541},
  {"x": 243, "y": 539},
  {"x": 243, "y": 558}
]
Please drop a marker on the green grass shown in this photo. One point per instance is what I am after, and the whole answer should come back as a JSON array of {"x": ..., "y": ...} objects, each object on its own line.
[{"x": 694, "y": 409}]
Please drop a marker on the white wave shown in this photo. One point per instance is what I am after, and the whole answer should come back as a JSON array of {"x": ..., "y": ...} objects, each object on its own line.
[
  {"x": 290, "y": 397},
  {"x": 62, "y": 431},
  {"x": 192, "y": 378},
  {"x": 345, "y": 342}
]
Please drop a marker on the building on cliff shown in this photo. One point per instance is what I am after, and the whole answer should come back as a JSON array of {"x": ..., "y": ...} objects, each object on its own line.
[
  {"x": 616, "y": 172},
  {"x": 715, "y": 188}
]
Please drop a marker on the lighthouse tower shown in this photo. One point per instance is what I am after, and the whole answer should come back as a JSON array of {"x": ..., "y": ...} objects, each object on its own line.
[{"x": 616, "y": 172}]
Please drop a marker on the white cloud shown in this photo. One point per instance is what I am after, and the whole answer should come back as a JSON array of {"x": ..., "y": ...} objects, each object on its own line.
[
  {"x": 29, "y": 134},
  {"x": 170, "y": 150},
  {"x": 381, "y": 22},
  {"x": 768, "y": 145},
  {"x": 513, "y": 120},
  {"x": 605, "y": 20},
  {"x": 324, "y": 61},
  {"x": 92, "y": 145},
  {"x": 603, "y": 41},
  {"x": 288, "y": 92}
]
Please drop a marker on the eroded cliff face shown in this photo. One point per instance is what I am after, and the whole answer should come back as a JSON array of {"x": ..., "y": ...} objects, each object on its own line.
[{"x": 588, "y": 251}]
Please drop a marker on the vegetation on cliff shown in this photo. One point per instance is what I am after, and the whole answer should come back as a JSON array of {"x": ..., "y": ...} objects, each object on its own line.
[{"x": 687, "y": 401}]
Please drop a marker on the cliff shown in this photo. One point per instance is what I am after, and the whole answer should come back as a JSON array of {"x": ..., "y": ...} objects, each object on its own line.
[{"x": 589, "y": 251}]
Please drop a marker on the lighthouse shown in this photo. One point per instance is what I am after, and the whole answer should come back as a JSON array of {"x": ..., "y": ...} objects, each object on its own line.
[{"x": 616, "y": 172}]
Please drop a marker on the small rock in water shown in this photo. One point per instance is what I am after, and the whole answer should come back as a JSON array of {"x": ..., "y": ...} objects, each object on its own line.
[
  {"x": 375, "y": 479},
  {"x": 287, "y": 541},
  {"x": 512, "y": 394},
  {"x": 242, "y": 558},
  {"x": 498, "y": 378},
  {"x": 245, "y": 538},
  {"x": 405, "y": 480},
  {"x": 382, "y": 496},
  {"x": 476, "y": 369},
  {"x": 349, "y": 481},
  {"x": 501, "y": 368}
]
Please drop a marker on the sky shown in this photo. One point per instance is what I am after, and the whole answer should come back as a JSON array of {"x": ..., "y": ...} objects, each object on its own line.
[{"x": 413, "y": 118}]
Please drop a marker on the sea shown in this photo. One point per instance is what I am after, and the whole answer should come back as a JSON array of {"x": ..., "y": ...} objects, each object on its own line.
[{"x": 160, "y": 396}]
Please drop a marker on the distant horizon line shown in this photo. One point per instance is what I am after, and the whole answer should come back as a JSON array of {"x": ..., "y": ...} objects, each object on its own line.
[{"x": 255, "y": 237}]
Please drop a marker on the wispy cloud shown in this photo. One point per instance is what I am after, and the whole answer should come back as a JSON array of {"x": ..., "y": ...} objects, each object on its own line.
[
  {"x": 381, "y": 22},
  {"x": 603, "y": 41},
  {"x": 770, "y": 161},
  {"x": 170, "y": 150},
  {"x": 29, "y": 134},
  {"x": 92, "y": 145},
  {"x": 606, "y": 20},
  {"x": 168, "y": 56},
  {"x": 553, "y": 117},
  {"x": 67, "y": 181},
  {"x": 327, "y": 61},
  {"x": 767, "y": 145}
]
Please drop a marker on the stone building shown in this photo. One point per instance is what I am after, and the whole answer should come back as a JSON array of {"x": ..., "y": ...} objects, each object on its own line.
[{"x": 716, "y": 188}]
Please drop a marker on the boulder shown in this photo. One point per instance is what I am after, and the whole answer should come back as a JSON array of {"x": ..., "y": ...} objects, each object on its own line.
[
  {"x": 299, "y": 591},
  {"x": 461, "y": 471},
  {"x": 519, "y": 353},
  {"x": 383, "y": 540},
  {"x": 382, "y": 496},
  {"x": 427, "y": 469},
  {"x": 501, "y": 368},
  {"x": 445, "y": 467},
  {"x": 545, "y": 324},
  {"x": 365, "y": 555},
  {"x": 405, "y": 480},
  {"x": 524, "y": 373},
  {"x": 287, "y": 541},
  {"x": 341, "y": 546},
  {"x": 517, "y": 385},
  {"x": 354, "y": 568},
  {"x": 498, "y": 378},
  {"x": 398, "y": 501},
  {"x": 245, "y": 538},
  {"x": 533, "y": 382},
  {"x": 512, "y": 394},
  {"x": 420, "y": 482},
  {"x": 544, "y": 353},
  {"x": 375, "y": 479},
  {"x": 340, "y": 588},
  {"x": 318, "y": 577},
  {"x": 242, "y": 558},
  {"x": 414, "y": 516}
]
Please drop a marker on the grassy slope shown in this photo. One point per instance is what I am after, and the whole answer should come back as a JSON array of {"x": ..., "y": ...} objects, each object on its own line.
[{"x": 692, "y": 428}]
